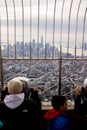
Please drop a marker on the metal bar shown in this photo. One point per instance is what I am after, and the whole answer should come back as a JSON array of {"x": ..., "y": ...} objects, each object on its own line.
[
  {"x": 44, "y": 59},
  {"x": 46, "y": 28},
  {"x": 38, "y": 29},
  {"x": 53, "y": 28},
  {"x": 22, "y": 26},
  {"x": 60, "y": 70},
  {"x": 30, "y": 29},
  {"x": 60, "y": 61},
  {"x": 69, "y": 27},
  {"x": 83, "y": 30},
  {"x": 7, "y": 28},
  {"x": 15, "y": 29},
  {"x": 1, "y": 66},
  {"x": 77, "y": 26}
]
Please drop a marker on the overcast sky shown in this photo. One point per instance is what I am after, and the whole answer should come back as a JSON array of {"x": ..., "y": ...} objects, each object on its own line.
[{"x": 51, "y": 33}]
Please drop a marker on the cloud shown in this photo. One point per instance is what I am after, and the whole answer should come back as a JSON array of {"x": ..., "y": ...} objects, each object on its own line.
[{"x": 42, "y": 19}]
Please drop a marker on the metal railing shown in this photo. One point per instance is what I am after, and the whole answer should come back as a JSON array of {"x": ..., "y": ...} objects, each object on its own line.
[{"x": 22, "y": 42}]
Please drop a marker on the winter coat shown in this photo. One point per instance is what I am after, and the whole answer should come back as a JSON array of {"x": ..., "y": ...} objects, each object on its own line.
[
  {"x": 29, "y": 94},
  {"x": 80, "y": 110},
  {"x": 56, "y": 120},
  {"x": 80, "y": 107},
  {"x": 18, "y": 112}
]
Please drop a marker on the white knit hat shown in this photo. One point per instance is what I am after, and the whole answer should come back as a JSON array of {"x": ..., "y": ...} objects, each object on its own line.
[
  {"x": 15, "y": 86},
  {"x": 85, "y": 85}
]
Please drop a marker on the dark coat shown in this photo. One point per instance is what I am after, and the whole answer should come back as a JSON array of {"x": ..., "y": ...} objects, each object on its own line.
[
  {"x": 29, "y": 94},
  {"x": 80, "y": 107},
  {"x": 24, "y": 116},
  {"x": 80, "y": 110}
]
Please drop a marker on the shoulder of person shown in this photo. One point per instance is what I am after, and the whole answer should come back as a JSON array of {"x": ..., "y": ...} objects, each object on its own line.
[{"x": 30, "y": 102}]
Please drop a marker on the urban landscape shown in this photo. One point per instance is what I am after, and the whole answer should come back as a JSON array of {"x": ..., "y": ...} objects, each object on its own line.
[{"x": 45, "y": 73}]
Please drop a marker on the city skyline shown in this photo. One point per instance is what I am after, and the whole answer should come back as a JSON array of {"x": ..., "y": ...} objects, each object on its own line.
[{"x": 34, "y": 47}]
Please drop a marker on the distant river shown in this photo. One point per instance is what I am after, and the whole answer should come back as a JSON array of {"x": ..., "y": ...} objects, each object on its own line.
[{"x": 72, "y": 51}]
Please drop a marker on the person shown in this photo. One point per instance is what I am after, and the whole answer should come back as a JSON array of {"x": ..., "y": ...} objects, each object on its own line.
[
  {"x": 4, "y": 91},
  {"x": 30, "y": 93},
  {"x": 16, "y": 110},
  {"x": 80, "y": 106},
  {"x": 56, "y": 117}
]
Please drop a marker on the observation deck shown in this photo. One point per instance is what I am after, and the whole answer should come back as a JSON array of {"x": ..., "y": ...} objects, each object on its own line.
[{"x": 46, "y": 42}]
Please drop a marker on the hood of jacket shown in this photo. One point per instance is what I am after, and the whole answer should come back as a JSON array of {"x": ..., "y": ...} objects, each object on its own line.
[
  {"x": 14, "y": 100},
  {"x": 51, "y": 114}
]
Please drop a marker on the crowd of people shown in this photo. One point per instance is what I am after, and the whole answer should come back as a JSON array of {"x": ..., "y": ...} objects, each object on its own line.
[
  {"x": 57, "y": 118},
  {"x": 21, "y": 107}
]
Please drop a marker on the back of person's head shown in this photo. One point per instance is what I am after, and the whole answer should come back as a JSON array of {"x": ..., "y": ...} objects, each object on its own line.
[
  {"x": 15, "y": 86},
  {"x": 26, "y": 85},
  {"x": 24, "y": 80},
  {"x": 57, "y": 101}
]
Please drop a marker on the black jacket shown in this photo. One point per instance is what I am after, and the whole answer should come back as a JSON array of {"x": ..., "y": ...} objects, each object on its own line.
[
  {"x": 80, "y": 107},
  {"x": 29, "y": 94},
  {"x": 24, "y": 116}
]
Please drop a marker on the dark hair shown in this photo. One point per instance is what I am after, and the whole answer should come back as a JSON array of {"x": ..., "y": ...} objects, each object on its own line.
[{"x": 58, "y": 101}]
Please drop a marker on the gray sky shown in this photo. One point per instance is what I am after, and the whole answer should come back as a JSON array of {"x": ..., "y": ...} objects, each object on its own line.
[{"x": 42, "y": 20}]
